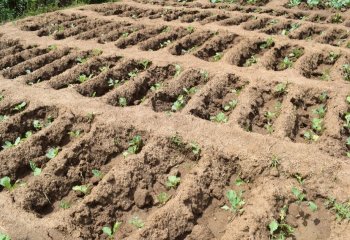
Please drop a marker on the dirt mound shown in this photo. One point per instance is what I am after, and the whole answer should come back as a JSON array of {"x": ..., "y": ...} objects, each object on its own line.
[{"x": 176, "y": 120}]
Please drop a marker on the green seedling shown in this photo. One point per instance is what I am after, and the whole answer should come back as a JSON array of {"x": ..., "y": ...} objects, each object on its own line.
[
  {"x": 85, "y": 189},
  {"x": 196, "y": 149},
  {"x": 313, "y": 3},
  {"x": 3, "y": 118},
  {"x": 311, "y": 136},
  {"x": 135, "y": 146},
  {"x": 294, "y": 3},
  {"x": 36, "y": 171},
  {"x": 347, "y": 121},
  {"x": 219, "y": 118},
  {"x": 239, "y": 181},
  {"x": 317, "y": 124},
  {"x": 190, "y": 29},
  {"x": 6, "y": 183},
  {"x": 37, "y": 125},
  {"x": 137, "y": 222},
  {"x": 326, "y": 75},
  {"x": 281, "y": 88},
  {"x": 275, "y": 161},
  {"x": 133, "y": 73},
  {"x": 323, "y": 97},
  {"x": 236, "y": 201},
  {"x": 163, "y": 197},
  {"x": 218, "y": 56},
  {"x": 332, "y": 57},
  {"x": 313, "y": 207},
  {"x": 178, "y": 70},
  {"x": 177, "y": 140},
  {"x": 64, "y": 205},
  {"x": 165, "y": 43},
  {"x": 122, "y": 102},
  {"x": 204, "y": 74},
  {"x": 299, "y": 179},
  {"x": 286, "y": 63},
  {"x": 156, "y": 87},
  {"x": 52, "y": 47},
  {"x": 348, "y": 99},
  {"x": 4, "y": 236},
  {"x": 342, "y": 210},
  {"x": 83, "y": 78},
  {"x": 190, "y": 91},
  {"x": 320, "y": 111},
  {"x": 74, "y": 134},
  {"x": 52, "y": 153},
  {"x": 2, "y": 97},
  {"x": 296, "y": 53},
  {"x": 250, "y": 61},
  {"x": 104, "y": 69},
  {"x": 173, "y": 182},
  {"x": 90, "y": 117},
  {"x": 114, "y": 83},
  {"x": 82, "y": 60},
  {"x": 125, "y": 34},
  {"x": 97, "y": 173},
  {"x": 337, "y": 18},
  {"x": 267, "y": 44},
  {"x": 20, "y": 107},
  {"x": 97, "y": 52},
  {"x": 346, "y": 72},
  {"x": 110, "y": 232},
  {"x": 145, "y": 63},
  {"x": 280, "y": 231},
  {"x": 298, "y": 194},
  {"x": 230, "y": 105},
  {"x": 9, "y": 144},
  {"x": 179, "y": 103}
]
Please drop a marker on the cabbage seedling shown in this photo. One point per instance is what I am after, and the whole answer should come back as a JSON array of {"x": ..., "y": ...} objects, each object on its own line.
[
  {"x": 52, "y": 153},
  {"x": 35, "y": 169},
  {"x": 219, "y": 118},
  {"x": 173, "y": 181},
  {"x": 137, "y": 222},
  {"x": 110, "y": 232},
  {"x": 6, "y": 183},
  {"x": 236, "y": 201},
  {"x": 85, "y": 189},
  {"x": 163, "y": 197},
  {"x": 20, "y": 107},
  {"x": 135, "y": 146}
]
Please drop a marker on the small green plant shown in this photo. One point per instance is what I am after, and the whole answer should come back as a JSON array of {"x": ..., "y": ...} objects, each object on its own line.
[
  {"x": 97, "y": 173},
  {"x": 342, "y": 210},
  {"x": 217, "y": 56},
  {"x": 196, "y": 149},
  {"x": 298, "y": 194},
  {"x": 145, "y": 63},
  {"x": 239, "y": 181},
  {"x": 163, "y": 197},
  {"x": 294, "y": 3},
  {"x": 190, "y": 29},
  {"x": 110, "y": 232},
  {"x": 64, "y": 205},
  {"x": 346, "y": 72},
  {"x": 114, "y": 83},
  {"x": 275, "y": 161},
  {"x": 269, "y": 42},
  {"x": 6, "y": 183},
  {"x": 133, "y": 73},
  {"x": 36, "y": 171},
  {"x": 83, "y": 78},
  {"x": 326, "y": 75},
  {"x": 156, "y": 87},
  {"x": 3, "y": 118},
  {"x": 313, "y": 207},
  {"x": 286, "y": 63},
  {"x": 20, "y": 107},
  {"x": 230, "y": 105},
  {"x": 280, "y": 229},
  {"x": 165, "y": 43},
  {"x": 74, "y": 134},
  {"x": 82, "y": 60},
  {"x": 179, "y": 103},
  {"x": 173, "y": 181},
  {"x": 85, "y": 189},
  {"x": 250, "y": 61},
  {"x": 236, "y": 201},
  {"x": 4, "y": 236},
  {"x": 320, "y": 111},
  {"x": 281, "y": 89},
  {"x": 219, "y": 118},
  {"x": 311, "y": 136},
  {"x": 336, "y": 18},
  {"x": 317, "y": 124},
  {"x": 313, "y": 3},
  {"x": 135, "y": 146},
  {"x": 332, "y": 57},
  {"x": 122, "y": 102},
  {"x": 323, "y": 97},
  {"x": 178, "y": 70},
  {"x": 104, "y": 69},
  {"x": 177, "y": 140},
  {"x": 52, "y": 47},
  {"x": 52, "y": 153},
  {"x": 137, "y": 222}
]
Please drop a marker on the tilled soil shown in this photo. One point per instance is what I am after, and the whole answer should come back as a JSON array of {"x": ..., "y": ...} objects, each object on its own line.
[{"x": 223, "y": 96}]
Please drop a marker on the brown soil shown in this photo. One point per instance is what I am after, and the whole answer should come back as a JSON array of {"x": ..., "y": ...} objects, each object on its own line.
[{"x": 198, "y": 83}]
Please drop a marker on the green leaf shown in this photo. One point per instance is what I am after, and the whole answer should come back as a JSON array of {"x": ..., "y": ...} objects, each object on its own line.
[
  {"x": 6, "y": 183},
  {"x": 52, "y": 153},
  {"x": 35, "y": 169},
  {"x": 116, "y": 226},
  {"x": 4, "y": 236},
  {"x": 225, "y": 207},
  {"x": 312, "y": 206},
  {"x": 107, "y": 231},
  {"x": 273, "y": 226}
]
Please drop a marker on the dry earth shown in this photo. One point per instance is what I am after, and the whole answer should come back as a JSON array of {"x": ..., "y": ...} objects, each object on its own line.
[{"x": 93, "y": 78}]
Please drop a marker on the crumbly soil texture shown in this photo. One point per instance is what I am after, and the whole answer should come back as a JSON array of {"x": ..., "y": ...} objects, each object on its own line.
[{"x": 179, "y": 120}]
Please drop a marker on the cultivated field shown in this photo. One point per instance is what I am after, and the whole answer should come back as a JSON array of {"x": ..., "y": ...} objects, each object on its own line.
[{"x": 176, "y": 120}]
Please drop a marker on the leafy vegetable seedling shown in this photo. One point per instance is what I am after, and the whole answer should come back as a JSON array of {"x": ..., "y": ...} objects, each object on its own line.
[
  {"x": 280, "y": 229},
  {"x": 85, "y": 189},
  {"x": 219, "y": 118},
  {"x": 20, "y": 107},
  {"x": 6, "y": 183},
  {"x": 137, "y": 222},
  {"x": 163, "y": 197},
  {"x": 83, "y": 78},
  {"x": 173, "y": 182},
  {"x": 122, "y": 102},
  {"x": 218, "y": 56},
  {"x": 135, "y": 146},
  {"x": 110, "y": 232},
  {"x": 342, "y": 210},
  {"x": 75, "y": 133},
  {"x": 236, "y": 201},
  {"x": 298, "y": 194},
  {"x": 52, "y": 153},
  {"x": 64, "y": 205},
  {"x": 35, "y": 169},
  {"x": 97, "y": 173}
]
